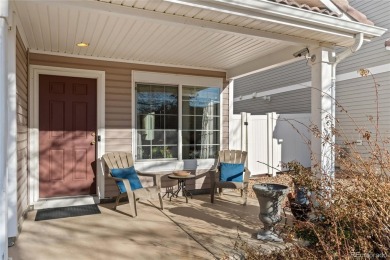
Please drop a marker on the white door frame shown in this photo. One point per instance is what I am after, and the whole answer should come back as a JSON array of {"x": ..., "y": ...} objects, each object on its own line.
[{"x": 35, "y": 71}]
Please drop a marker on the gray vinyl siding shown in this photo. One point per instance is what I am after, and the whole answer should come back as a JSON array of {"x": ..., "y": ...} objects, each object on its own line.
[
  {"x": 22, "y": 128},
  {"x": 283, "y": 103},
  {"x": 357, "y": 96},
  {"x": 282, "y": 76},
  {"x": 118, "y": 98},
  {"x": 358, "y": 113},
  {"x": 373, "y": 53},
  {"x": 297, "y": 101}
]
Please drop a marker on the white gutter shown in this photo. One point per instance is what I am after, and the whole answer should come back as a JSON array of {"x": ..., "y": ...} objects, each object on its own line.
[
  {"x": 340, "y": 57},
  {"x": 354, "y": 48},
  {"x": 3, "y": 131},
  {"x": 287, "y": 15}
]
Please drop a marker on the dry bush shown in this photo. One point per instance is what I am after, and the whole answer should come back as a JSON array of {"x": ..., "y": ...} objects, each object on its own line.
[{"x": 350, "y": 217}]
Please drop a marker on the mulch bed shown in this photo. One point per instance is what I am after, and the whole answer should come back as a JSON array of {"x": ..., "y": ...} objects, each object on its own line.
[
  {"x": 280, "y": 178},
  {"x": 283, "y": 178}
]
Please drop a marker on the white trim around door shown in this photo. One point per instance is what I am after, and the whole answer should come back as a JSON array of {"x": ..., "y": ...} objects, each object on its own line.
[{"x": 35, "y": 71}]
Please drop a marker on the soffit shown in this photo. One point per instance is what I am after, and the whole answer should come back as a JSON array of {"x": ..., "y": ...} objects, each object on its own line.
[
  {"x": 57, "y": 29},
  {"x": 114, "y": 32}
]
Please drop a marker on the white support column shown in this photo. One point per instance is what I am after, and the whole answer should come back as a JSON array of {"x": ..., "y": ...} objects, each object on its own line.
[
  {"x": 3, "y": 131},
  {"x": 322, "y": 112},
  {"x": 12, "y": 130}
]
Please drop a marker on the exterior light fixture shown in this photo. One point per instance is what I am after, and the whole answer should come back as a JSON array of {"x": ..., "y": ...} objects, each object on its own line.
[
  {"x": 82, "y": 44},
  {"x": 387, "y": 44}
]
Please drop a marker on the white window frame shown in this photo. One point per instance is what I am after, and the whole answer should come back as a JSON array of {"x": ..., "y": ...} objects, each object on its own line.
[{"x": 180, "y": 81}]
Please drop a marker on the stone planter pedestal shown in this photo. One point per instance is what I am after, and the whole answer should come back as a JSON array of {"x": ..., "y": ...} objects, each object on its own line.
[{"x": 270, "y": 197}]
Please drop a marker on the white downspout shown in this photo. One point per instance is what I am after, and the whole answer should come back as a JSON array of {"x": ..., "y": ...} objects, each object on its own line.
[
  {"x": 3, "y": 130},
  {"x": 336, "y": 60},
  {"x": 340, "y": 57}
]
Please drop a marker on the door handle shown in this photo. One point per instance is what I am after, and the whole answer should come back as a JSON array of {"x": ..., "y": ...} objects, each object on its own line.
[{"x": 93, "y": 142}]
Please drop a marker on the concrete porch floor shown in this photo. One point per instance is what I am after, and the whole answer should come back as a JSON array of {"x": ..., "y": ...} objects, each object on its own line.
[{"x": 193, "y": 230}]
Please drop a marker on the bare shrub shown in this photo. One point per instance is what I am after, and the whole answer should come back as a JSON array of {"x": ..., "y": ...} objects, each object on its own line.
[{"x": 350, "y": 215}]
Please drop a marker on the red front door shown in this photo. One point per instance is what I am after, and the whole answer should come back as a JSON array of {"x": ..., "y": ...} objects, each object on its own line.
[{"x": 67, "y": 130}]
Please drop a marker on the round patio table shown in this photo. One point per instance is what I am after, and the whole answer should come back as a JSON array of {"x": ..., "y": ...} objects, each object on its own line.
[{"x": 181, "y": 183}]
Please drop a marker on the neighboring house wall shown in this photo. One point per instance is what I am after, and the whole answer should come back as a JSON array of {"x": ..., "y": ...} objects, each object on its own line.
[
  {"x": 118, "y": 98},
  {"x": 373, "y": 53},
  {"x": 298, "y": 101},
  {"x": 358, "y": 98},
  {"x": 291, "y": 102},
  {"x": 356, "y": 95},
  {"x": 22, "y": 127}
]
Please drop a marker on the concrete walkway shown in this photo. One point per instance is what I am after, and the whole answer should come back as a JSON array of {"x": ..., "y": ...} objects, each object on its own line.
[{"x": 194, "y": 230}]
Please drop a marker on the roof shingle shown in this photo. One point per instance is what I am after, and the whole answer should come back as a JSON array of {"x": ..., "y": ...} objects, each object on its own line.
[
  {"x": 319, "y": 7},
  {"x": 352, "y": 12}
]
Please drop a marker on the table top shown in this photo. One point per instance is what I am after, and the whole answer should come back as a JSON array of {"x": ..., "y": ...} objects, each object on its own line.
[{"x": 176, "y": 177}]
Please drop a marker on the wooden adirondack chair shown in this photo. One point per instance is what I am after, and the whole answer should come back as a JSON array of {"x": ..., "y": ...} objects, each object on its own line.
[
  {"x": 120, "y": 160},
  {"x": 230, "y": 156}
]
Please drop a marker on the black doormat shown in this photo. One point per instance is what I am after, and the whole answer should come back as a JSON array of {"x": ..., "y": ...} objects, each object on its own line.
[{"x": 65, "y": 212}]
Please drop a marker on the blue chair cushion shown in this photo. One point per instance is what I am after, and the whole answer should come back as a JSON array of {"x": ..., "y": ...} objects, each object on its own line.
[
  {"x": 231, "y": 172},
  {"x": 127, "y": 173}
]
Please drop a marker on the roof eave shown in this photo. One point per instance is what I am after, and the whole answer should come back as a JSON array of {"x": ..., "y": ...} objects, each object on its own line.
[{"x": 288, "y": 15}]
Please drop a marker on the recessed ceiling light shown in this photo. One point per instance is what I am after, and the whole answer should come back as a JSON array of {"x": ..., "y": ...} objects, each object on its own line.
[{"x": 82, "y": 44}]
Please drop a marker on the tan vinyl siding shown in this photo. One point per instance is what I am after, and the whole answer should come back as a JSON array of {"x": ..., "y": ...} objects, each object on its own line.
[
  {"x": 225, "y": 116},
  {"x": 22, "y": 128},
  {"x": 118, "y": 96}
]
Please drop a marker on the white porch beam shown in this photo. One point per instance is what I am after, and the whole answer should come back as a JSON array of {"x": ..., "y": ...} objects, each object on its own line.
[
  {"x": 267, "y": 62},
  {"x": 182, "y": 21},
  {"x": 3, "y": 131},
  {"x": 323, "y": 112}
]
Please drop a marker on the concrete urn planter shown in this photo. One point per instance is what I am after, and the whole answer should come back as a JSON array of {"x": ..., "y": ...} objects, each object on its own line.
[{"x": 270, "y": 197}]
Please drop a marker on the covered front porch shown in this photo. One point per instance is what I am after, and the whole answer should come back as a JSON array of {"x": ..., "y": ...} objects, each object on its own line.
[
  {"x": 193, "y": 230},
  {"x": 175, "y": 43}
]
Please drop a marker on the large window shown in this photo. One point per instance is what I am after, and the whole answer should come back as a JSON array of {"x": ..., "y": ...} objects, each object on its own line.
[
  {"x": 177, "y": 121},
  {"x": 200, "y": 122},
  {"x": 157, "y": 121}
]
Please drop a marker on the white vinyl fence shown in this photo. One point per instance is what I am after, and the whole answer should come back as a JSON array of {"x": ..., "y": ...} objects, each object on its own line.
[{"x": 271, "y": 139}]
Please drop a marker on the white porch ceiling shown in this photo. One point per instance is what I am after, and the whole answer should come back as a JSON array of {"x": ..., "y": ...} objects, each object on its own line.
[{"x": 161, "y": 32}]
